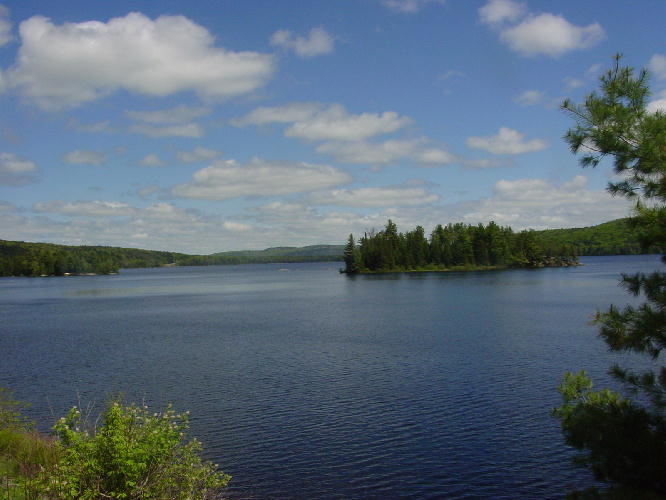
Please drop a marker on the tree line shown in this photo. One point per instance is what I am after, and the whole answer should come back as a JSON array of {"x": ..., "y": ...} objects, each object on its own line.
[
  {"x": 455, "y": 246},
  {"x": 18, "y": 258}
]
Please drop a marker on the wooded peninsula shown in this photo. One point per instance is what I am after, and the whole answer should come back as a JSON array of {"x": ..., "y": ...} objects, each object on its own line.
[{"x": 491, "y": 246}]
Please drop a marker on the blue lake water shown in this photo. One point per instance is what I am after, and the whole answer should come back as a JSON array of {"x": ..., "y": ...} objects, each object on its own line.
[{"x": 304, "y": 383}]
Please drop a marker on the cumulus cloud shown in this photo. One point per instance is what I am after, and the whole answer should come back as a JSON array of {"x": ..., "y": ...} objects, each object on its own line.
[
  {"x": 335, "y": 123},
  {"x": 182, "y": 130},
  {"x": 60, "y": 66},
  {"x": 16, "y": 171},
  {"x": 530, "y": 98},
  {"x": 408, "y": 6},
  {"x": 387, "y": 152},
  {"x": 238, "y": 227},
  {"x": 658, "y": 104},
  {"x": 289, "y": 113},
  {"x": 506, "y": 142},
  {"x": 497, "y": 12},
  {"x": 375, "y": 197},
  {"x": 483, "y": 163},
  {"x": 318, "y": 42},
  {"x": 5, "y": 26},
  {"x": 85, "y": 157},
  {"x": 151, "y": 160},
  {"x": 552, "y": 35},
  {"x": 85, "y": 208},
  {"x": 541, "y": 204},
  {"x": 198, "y": 154},
  {"x": 229, "y": 179},
  {"x": 657, "y": 66},
  {"x": 316, "y": 122},
  {"x": 178, "y": 114}
]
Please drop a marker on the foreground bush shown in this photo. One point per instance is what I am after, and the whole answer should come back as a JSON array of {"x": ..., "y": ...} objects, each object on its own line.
[
  {"x": 134, "y": 454},
  {"x": 131, "y": 454}
]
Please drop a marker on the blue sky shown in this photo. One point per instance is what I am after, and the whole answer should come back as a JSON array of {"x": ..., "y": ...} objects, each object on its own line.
[{"x": 221, "y": 125}]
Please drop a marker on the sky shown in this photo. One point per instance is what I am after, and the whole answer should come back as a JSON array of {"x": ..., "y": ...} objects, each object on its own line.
[{"x": 216, "y": 125}]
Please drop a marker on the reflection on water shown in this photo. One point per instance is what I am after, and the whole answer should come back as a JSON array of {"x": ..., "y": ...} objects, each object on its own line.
[{"x": 313, "y": 384}]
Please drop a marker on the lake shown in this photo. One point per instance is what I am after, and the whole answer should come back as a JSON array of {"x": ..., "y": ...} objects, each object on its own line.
[{"x": 305, "y": 383}]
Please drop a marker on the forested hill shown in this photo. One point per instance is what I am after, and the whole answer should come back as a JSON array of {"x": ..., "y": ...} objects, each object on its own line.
[
  {"x": 616, "y": 237},
  {"x": 18, "y": 258}
]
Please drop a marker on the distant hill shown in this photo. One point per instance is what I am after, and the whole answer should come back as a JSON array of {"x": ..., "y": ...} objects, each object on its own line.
[
  {"x": 18, "y": 258},
  {"x": 616, "y": 237}
]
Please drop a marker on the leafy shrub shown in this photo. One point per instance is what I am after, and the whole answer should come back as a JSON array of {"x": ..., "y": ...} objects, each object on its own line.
[{"x": 133, "y": 454}]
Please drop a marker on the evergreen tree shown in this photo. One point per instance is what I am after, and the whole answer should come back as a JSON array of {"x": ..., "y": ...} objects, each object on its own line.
[{"x": 622, "y": 437}]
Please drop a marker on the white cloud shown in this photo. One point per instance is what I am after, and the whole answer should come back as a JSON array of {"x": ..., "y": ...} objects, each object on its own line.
[
  {"x": 289, "y": 113},
  {"x": 506, "y": 142},
  {"x": 5, "y": 26},
  {"x": 12, "y": 164},
  {"x": 497, "y": 12},
  {"x": 151, "y": 160},
  {"x": 541, "y": 204},
  {"x": 317, "y": 43},
  {"x": 572, "y": 83},
  {"x": 229, "y": 179},
  {"x": 336, "y": 124},
  {"x": 85, "y": 208},
  {"x": 483, "y": 163},
  {"x": 85, "y": 157},
  {"x": 178, "y": 114},
  {"x": 523, "y": 203},
  {"x": 657, "y": 66},
  {"x": 16, "y": 171},
  {"x": 60, "y": 66},
  {"x": 658, "y": 104},
  {"x": 408, "y": 6},
  {"x": 236, "y": 226},
  {"x": 594, "y": 70},
  {"x": 183, "y": 130},
  {"x": 530, "y": 98},
  {"x": 167, "y": 212},
  {"x": 315, "y": 122},
  {"x": 198, "y": 154},
  {"x": 434, "y": 156},
  {"x": 386, "y": 152},
  {"x": 375, "y": 197},
  {"x": 148, "y": 190},
  {"x": 551, "y": 35}
]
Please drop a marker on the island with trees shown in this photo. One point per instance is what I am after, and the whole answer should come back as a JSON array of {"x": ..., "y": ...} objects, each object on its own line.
[{"x": 452, "y": 247}]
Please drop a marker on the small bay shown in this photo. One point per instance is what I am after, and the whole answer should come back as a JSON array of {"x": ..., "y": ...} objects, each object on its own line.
[{"x": 305, "y": 383}]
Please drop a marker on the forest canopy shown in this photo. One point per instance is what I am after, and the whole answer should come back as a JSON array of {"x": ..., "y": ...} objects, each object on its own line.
[{"x": 455, "y": 246}]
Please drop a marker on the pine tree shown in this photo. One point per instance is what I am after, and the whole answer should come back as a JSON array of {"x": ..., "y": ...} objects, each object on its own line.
[{"x": 622, "y": 436}]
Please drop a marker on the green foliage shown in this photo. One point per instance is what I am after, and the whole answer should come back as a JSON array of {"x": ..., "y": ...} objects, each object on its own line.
[
  {"x": 617, "y": 237},
  {"x": 134, "y": 454},
  {"x": 18, "y": 258},
  {"x": 456, "y": 246},
  {"x": 623, "y": 440}
]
